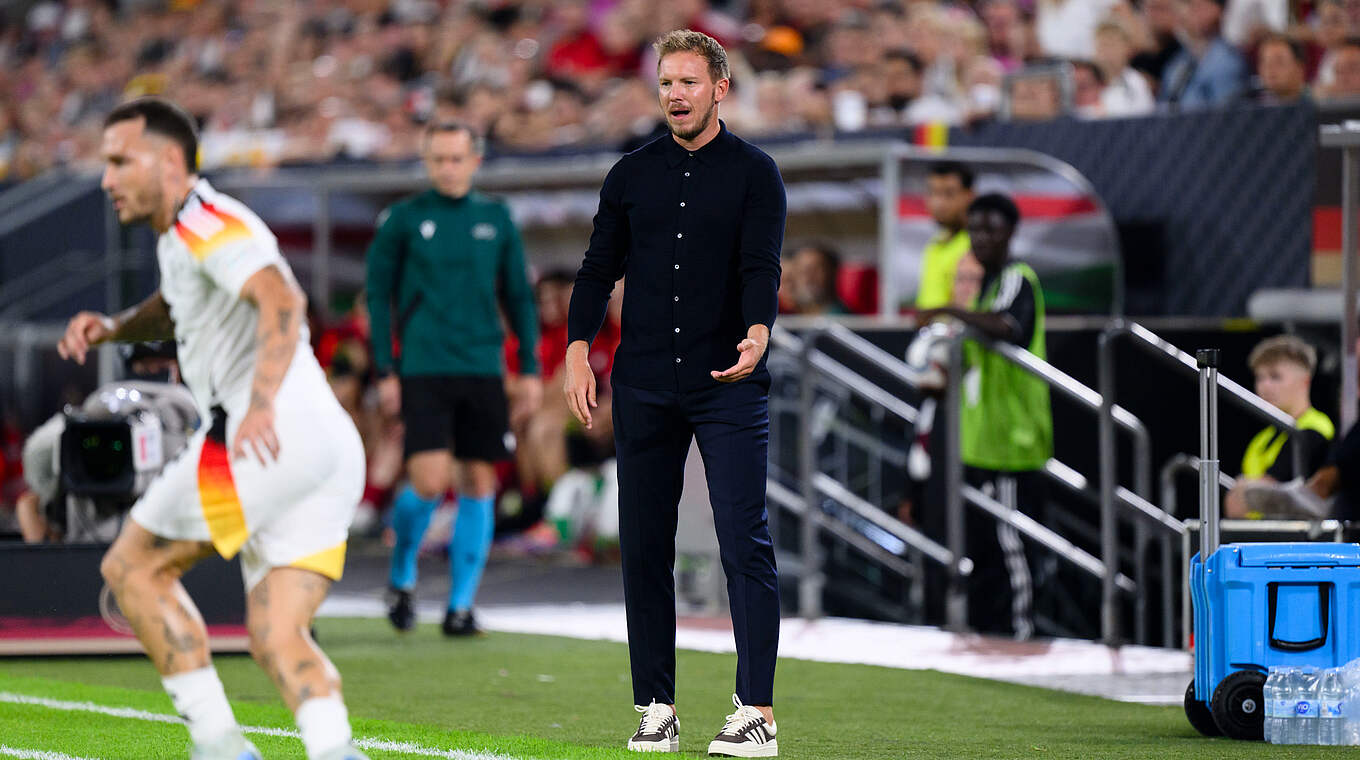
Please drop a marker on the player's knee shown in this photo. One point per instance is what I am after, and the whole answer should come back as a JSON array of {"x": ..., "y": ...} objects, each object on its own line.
[{"x": 428, "y": 486}]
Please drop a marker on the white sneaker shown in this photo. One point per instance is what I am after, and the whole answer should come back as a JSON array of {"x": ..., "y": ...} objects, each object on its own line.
[
  {"x": 658, "y": 731},
  {"x": 746, "y": 734},
  {"x": 231, "y": 746}
]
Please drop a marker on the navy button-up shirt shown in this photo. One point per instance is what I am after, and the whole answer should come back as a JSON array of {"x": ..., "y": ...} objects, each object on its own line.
[{"x": 698, "y": 235}]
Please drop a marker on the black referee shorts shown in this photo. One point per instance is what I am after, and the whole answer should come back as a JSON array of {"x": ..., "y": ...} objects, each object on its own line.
[{"x": 466, "y": 415}]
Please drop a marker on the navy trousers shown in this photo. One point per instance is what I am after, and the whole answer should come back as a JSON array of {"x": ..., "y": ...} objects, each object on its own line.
[{"x": 652, "y": 433}]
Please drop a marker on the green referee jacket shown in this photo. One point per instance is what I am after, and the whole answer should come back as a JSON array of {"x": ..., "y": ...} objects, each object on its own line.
[{"x": 439, "y": 268}]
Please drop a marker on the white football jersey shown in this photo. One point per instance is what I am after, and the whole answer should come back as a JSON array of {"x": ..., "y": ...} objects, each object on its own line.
[{"x": 205, "y": 258}]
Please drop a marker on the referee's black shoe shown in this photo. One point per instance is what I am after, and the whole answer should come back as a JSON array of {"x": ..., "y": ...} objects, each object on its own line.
[
  {"x": 461, "y": 624},
  {"x": 402, "y": 611}
]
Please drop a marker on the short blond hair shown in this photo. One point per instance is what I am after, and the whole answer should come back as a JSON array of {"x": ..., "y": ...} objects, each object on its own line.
[
  {"x": 1283, "y": 348},
  {"x": 690, "y": 41}
]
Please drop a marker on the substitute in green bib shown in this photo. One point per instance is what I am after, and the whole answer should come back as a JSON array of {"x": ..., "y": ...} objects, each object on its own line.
[
  {"x": 443, "y": 265},
  {"x": 949, "y": 190},
  {"x": 1283, "y": 366},
  {"x": 1005, "y": 420}
]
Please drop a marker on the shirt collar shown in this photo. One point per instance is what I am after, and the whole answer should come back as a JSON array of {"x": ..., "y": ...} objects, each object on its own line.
[{"x": 712, "y": 151}]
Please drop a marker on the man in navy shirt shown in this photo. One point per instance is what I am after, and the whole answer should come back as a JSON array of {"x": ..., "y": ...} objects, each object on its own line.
[{"x": 695, "y": 220}]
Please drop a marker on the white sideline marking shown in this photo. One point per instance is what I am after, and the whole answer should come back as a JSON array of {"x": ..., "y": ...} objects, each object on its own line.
[
  {"x": 36, "y": 754},
  {"x": 408, "y": 748}
]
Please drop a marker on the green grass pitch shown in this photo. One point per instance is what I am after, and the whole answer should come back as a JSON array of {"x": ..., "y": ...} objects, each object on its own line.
[{"x": 513, "y": 696}]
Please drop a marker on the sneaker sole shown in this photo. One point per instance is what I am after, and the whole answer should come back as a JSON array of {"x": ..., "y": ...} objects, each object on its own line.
[
  {"x": 672, "y": 745},
  {"x": 726, "y": 749}
]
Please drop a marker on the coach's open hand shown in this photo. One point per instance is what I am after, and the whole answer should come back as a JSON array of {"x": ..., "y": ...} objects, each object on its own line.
[
  {"x": 757, "y": 338},
  {"x": 257, "y": 429},
  {"x": 580, "y": 382},
  {"x": 85, "y": 329}
]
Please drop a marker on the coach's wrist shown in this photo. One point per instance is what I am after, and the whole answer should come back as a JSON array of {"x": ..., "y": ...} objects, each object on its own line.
[{"x": 578, "y": 350}]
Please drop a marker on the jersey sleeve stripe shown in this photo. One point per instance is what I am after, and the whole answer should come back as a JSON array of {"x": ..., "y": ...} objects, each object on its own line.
[{"x": 208, "y": 228}]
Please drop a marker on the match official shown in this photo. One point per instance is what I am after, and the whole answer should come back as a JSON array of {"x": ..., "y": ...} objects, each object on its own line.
[
  {"x": 447, "y": 259},
  {"x": 695, "y": 221}
]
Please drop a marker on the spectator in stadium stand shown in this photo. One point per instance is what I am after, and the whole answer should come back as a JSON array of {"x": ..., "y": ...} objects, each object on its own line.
[
  {"x": 1006, "y": 424},
  {"x": 1005, "y": 32},
  {"x": 1283, "y": 367},
  {"x": 949, "y": 190},
  {"x": 1324, "y": 36},
  {"x": 1246, "y": 22},
  {"x": 1088, "y": 89},
  {"x": 1281, "y": 65},
  {"x": 1160, "y": 41},
  {"x": 814, "y": 272},
  {"x": 1127, "y": 92},
  {"x": 1346, "y": 71},
  {"x": 441, "y": 264},
  {"x": 1208, "y": 71},
  {"x": 1332, "y": 492},
  {"x": 1066, "y": 28},
  {"x": 695, "y": 219}
]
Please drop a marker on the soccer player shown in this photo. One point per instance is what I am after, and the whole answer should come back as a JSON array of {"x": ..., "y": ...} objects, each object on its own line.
[
  {"x": 446, "y": 259},
  {"x": 1005, "y": 421},
  {"x": 274, "y": 473}
]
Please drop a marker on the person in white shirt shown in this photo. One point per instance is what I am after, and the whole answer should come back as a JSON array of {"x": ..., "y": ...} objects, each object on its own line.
[
  {"x": 1066, "y": 28},
  {"x": 274, "y": 473},
  {"x": 1126, "y": 93}
]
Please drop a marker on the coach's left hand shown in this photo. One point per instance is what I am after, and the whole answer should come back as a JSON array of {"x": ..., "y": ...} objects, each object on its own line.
[
  {"x": 751, "y": 349},
  {"x": 257, "y": 429}
]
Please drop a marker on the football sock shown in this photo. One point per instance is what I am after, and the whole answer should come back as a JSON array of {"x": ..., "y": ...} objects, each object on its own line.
[
  {"x": 199, "y": 698},
  {"x": 324, "y": 724},
  {"x": 472, "y": 532},
  {"x": 410, "y": 517}
]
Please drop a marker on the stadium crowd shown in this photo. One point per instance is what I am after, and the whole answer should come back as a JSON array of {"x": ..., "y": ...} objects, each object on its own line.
[{"x": 276, "y": 83}]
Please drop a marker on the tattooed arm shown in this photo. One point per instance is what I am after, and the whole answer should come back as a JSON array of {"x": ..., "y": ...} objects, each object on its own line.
[
  {"x": 148, "y": 320},
  {"x": 282, "y": 307}
]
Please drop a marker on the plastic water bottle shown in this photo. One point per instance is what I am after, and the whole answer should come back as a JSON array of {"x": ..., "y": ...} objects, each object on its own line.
[
  {"x": 1287, "y": 695},
  {"x": 1331, "y": 703},
  {"x": 1268, "y": 696},
  {"x": 1306, "y": 708}
]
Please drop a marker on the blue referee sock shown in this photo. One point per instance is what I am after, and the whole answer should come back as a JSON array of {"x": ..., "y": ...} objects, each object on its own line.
[
  {"x": 410, "y": 517},
  {"x": 472, "y": 532}
]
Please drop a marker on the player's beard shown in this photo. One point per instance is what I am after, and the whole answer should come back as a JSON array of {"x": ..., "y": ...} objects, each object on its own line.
[
  {"x": 699, "y": 127},
  {"x": 141, "y": 207}
]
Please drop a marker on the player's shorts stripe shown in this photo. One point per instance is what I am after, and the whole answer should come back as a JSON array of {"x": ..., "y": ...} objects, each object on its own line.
[
  {"x": 328, "y": 562},
  {"x": 221, "y": 505}
]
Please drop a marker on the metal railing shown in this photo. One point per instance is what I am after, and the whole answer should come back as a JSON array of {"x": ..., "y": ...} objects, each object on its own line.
[
  {"x": 1153, "y": 344},
  {"x": 817, "y": 365}
]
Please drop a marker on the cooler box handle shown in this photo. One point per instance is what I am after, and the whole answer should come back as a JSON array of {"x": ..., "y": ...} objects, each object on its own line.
[{"x": 1324, "y": 593}]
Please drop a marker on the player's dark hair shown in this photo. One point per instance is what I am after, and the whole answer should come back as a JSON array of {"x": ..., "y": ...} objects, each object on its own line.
[
  {"x": 1294, "y": 47},
  {"x": 954, "y": 169},
  {"x": 999, "y": 203},
  {"x": 443, "y": 127},
  {"x": 162, "y": 118}
]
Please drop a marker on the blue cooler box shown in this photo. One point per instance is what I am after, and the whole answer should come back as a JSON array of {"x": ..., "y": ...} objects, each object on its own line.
[{"x": 1265, "y": 604}]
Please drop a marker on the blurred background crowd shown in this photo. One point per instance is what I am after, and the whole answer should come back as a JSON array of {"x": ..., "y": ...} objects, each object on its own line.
[{"x": 277, "y": 83}]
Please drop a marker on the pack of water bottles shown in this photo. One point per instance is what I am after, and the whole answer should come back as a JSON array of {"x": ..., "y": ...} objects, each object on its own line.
[{"x": 1309, "y": 705}]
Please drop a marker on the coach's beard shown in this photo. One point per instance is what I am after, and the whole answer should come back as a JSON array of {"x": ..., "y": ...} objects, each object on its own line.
[{"x": 699, "y": 128}]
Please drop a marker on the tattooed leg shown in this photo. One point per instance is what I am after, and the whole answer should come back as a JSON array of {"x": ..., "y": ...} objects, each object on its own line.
[
  {"x": 279, "y": 617},
  {"x": 143, "y": 571}
]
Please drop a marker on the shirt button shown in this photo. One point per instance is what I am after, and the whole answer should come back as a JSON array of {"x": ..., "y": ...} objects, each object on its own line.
[
  {"x": 677, "y": 298},
  {"x": 682, "y": 204},
  {"x": 677, "y": 360},
  {"x": 677, "y": 266},
  {"x": 679, "y": 234},
  {"x": 677, "y": 329},
  {"x": 686, "y": 174}
]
